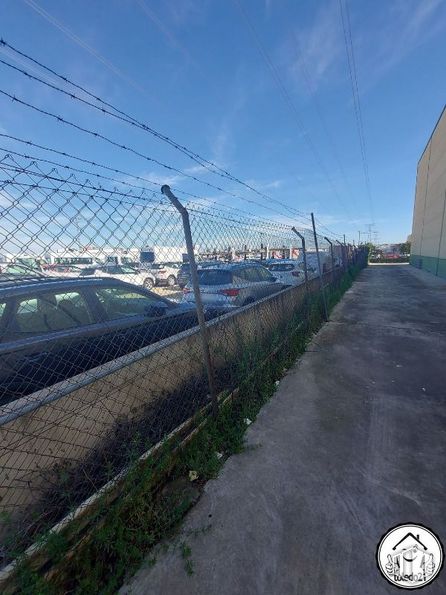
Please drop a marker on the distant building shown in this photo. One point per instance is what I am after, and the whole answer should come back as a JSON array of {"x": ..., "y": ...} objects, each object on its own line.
[{"x": 428, "y": 249}]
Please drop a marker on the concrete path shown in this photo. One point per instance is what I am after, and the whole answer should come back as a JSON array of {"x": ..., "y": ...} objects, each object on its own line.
[{"x": 352, "y": 444}]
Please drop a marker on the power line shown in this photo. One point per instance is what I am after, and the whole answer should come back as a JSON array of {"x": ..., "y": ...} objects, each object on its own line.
[
  {"x": 327, "y": 229},
  {"x": 319, "y": 111},
  {"x": 68, "y": 33},
  {"x": 288, "y": 100},
  {"x": 348, "y": 40}
]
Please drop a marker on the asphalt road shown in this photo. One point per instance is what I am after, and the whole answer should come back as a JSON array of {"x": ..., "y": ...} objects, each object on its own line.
[{"x": 352, "y": 443}]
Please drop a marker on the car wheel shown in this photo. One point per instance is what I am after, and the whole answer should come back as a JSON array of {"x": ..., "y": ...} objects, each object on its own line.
[
  {"x": 148, "y": 283},
  {"x": 171, "y": 281}
]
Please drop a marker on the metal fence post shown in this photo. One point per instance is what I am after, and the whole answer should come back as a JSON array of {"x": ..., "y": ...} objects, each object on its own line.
[
  {"x": 343, "y": 254},
  {"x": 332, "y": 259},
  {"x": 324, "y": 300},
  {"x": 304, "y": 252},
  {"x": 198, "y": 303}
]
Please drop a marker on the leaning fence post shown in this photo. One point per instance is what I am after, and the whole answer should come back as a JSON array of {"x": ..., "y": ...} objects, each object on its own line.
[
  {"x": 304, "y": 252},
  {"x": 321, "y": 281},
  {"x": 332, "y": 259},
  {"x": 198, "y": 303}
]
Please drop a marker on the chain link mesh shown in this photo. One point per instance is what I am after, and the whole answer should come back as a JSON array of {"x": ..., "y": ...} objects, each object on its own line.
[{"x": 100, "y": 350}]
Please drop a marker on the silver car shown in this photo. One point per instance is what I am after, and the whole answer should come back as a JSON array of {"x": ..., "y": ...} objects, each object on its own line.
[
  {"x": 286, "y": 271},
  {"x": 224, "y": 287}
]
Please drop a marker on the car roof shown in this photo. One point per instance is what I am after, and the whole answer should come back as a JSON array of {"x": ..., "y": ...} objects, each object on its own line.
[{"x": 25, "y": 285}]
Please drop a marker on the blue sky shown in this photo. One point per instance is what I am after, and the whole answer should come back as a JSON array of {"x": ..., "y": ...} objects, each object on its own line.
[{"x": 193, "y": 70}]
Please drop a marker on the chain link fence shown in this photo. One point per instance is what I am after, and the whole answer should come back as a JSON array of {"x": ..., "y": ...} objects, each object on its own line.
[{"x": 102, "y": 354}]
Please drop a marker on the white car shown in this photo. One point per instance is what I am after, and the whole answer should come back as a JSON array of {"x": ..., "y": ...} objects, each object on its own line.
[
  {"x": 123, "y": 273},
  {"x": 287, "y": 272},
  {"x": 165, "y": 273}
]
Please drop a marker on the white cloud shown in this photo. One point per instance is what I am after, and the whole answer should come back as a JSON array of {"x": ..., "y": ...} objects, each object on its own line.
[
  {"x": 408, "y": 25},
  {"x": 155, "y": 178},
  {"x": 173, "y": 40},
  {"x": 187, "y": 11},
  {"x": 317, "y": 48},
  {"x": 265, "y": 185},
  {"x": 195, "y": 170}
]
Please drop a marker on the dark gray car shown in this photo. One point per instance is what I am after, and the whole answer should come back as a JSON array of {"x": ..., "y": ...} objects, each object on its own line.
[
  {"x": 52, "y": 328},
  {"x": 224, "y": 287}
]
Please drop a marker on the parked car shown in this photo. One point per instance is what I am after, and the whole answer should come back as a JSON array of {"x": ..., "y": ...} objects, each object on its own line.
[
  {"x": 224, "y": 287},
  {"x": 124, "y": 273},
  {"x": 54, "y": 328},
  {"x": 63, "y": 270},
  {"x": 183, "y": 276},
  {"x": 324, "y": 258},
  {"x": 286, "y": 271},
  {"x": 165, "y": 273},
  {"x": 311, "y": 270},
  {"x": 14, "y": 270}
]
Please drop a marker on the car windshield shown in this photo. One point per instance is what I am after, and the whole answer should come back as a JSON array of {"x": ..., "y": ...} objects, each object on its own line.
[{"x": 214, "y": 277}]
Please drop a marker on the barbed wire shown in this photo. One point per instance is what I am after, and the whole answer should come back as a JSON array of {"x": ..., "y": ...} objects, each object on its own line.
[
  {"x": 157, "y": 199},
  {"x": 127, "y": 174},
  {"x": 121, "y": 115},
  {"x": 133, "y": 151}
]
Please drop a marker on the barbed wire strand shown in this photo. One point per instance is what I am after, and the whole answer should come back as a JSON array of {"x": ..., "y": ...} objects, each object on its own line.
[
  {"x": 122, "y": 116},
  {"x": 124, "y": 173}
]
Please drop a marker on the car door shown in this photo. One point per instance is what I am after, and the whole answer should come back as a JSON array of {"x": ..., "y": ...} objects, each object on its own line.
[
  {"x": 135, "y": 319},
  {"x": 269, "y": 283},
  {"x": 47, "y": 339}
]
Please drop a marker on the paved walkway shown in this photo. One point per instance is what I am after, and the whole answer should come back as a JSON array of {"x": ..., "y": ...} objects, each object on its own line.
[{"x": 352, "y": 443}]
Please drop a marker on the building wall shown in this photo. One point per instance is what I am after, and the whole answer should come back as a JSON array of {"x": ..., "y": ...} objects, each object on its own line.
[{"x": 429, "y": 226}]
